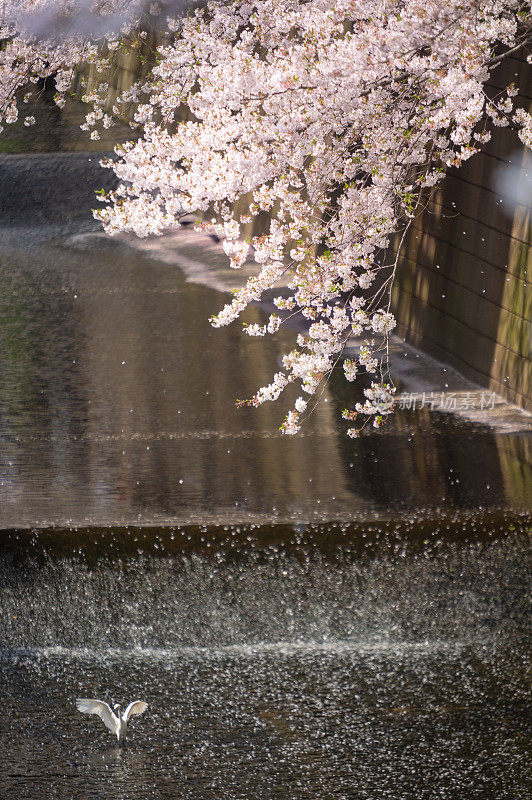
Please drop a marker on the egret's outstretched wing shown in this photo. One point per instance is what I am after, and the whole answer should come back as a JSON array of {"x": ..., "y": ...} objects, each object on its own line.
[
  {"x": 136, "y": 707},
  {"x": 99, "y": 708}
]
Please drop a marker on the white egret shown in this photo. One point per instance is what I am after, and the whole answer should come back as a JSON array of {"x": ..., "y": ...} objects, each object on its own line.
[{"x": 112, "y": 719}]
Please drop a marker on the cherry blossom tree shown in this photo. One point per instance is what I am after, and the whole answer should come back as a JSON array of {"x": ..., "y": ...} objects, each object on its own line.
[{"x": 331, "y": 121}]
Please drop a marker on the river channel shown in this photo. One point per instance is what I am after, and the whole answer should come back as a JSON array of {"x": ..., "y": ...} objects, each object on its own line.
[{"x": 308, "y": 618}]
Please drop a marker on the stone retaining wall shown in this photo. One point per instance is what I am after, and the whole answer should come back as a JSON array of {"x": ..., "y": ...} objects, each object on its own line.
[{"x": 463, "y": 286}]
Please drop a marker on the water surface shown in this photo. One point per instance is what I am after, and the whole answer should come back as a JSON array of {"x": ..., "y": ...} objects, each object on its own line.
[
  {"x": 117, "y": 406},
  {"x": 327, "y": 664}
]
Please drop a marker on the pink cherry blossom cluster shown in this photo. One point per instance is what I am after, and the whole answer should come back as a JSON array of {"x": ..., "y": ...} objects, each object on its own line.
[{"x": 333, "y": 121}]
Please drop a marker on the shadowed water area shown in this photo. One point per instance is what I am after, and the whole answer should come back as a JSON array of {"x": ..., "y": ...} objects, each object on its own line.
[{"x": 307, "y": 618}]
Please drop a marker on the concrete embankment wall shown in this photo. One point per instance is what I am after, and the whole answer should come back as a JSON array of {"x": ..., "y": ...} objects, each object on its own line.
[{"x": 463, "y": 288}]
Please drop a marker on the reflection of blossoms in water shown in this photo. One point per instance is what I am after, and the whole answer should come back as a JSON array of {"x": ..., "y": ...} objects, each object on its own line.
[{"x": 326, "y": 120}]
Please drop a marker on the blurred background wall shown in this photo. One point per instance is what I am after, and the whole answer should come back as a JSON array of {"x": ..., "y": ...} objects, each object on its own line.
[{"x": 463, "y": 286}]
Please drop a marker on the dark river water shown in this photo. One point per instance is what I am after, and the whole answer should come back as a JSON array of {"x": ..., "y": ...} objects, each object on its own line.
[
  {"x": 117, "y": 406},
  {"x": 367, "y": 662},
  {"x": 307, "y": 618}
]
